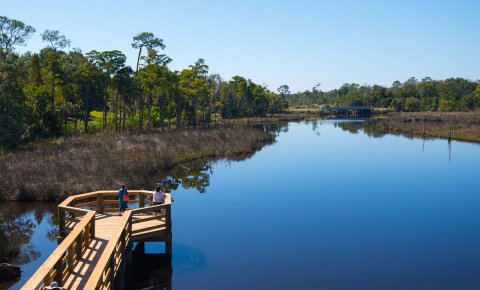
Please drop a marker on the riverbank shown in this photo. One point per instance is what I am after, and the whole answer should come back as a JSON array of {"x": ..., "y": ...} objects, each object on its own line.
[
  {"x": 462, "y": 126},
  {"x": 54, "y": 169},
  {"x": 287, "y": 116}
]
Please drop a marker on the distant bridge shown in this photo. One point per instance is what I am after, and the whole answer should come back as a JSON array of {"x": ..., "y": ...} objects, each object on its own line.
[{"x": 349, "y": 111}]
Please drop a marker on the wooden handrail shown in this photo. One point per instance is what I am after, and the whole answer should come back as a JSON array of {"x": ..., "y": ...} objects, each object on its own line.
[
  {"x": 105, "y": 192},
  {"x": 149, "y": 208},
  {"x": 74, "y": 202},
  {"x": 114, "y": 253},
  {"x": 65, "y": 256},
  {"x": 78, "y": 197},
  {"x": 74, "y": 209},
  {"x": 112, "y": 256}
]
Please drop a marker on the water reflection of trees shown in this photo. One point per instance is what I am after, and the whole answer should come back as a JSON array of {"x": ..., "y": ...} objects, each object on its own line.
[
  {"x": 373, "y": 129},
  {"x": 368, "y": 127},
  {"x": 196, "y": 174},
  {"x": 273, "y": 128},
  {"x": 17, "y": 225},
  {"x": 351, "y": 127}
]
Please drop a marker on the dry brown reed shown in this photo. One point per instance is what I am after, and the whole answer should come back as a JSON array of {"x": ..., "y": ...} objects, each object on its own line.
[
  {"x": 464, "y": 126},
  {"x": 57, "y": 168}
]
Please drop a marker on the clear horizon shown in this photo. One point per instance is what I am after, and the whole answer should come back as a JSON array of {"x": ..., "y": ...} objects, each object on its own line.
[{"x": 299, "y": 43}]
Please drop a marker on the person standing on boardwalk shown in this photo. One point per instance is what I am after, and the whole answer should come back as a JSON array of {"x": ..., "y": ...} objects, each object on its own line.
[
  {"x": 122, "y": 199},
  {"x": 158, "y": 198}
]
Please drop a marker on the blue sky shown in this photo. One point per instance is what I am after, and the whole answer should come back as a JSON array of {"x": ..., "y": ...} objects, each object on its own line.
[{"x": 298, "y": 43}]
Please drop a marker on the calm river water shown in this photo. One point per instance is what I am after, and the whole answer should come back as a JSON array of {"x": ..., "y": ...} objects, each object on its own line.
[{"x": 325, "y": 207}]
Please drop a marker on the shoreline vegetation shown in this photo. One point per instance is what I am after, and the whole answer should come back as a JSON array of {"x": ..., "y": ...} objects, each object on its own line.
[
  {"x": 461, "y": 126},
  {"x": 57, "y": 168}
]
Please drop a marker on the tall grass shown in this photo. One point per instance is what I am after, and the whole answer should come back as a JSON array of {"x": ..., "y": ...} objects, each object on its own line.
[
  {"x": 463, "y": 126},
  {"x": 57, "y": 168}
]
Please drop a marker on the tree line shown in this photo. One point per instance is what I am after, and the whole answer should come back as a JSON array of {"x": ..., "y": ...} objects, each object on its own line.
[
  {"x": 53, "y": 92},
  {"x": 452, "y": 94}
]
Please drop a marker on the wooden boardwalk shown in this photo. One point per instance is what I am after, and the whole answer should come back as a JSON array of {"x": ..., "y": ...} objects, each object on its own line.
[{"x": 97, "y": 245}]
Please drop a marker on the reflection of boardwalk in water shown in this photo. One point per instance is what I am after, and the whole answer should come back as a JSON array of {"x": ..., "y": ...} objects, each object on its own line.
[
  {"x": 149, "y": 271},
  {"x": 154, "y": 270}
]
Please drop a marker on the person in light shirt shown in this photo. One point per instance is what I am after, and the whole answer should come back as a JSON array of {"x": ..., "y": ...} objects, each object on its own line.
[{"x": 158, "y": 198}]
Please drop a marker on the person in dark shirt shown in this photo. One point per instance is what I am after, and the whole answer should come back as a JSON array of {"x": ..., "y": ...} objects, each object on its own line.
[{"x": 122, "y": 199}]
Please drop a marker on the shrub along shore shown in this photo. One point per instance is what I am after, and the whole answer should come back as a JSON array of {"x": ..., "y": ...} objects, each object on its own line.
[
  {"x": 54, "y": 169},
  {"x": 462, "y": 126}
]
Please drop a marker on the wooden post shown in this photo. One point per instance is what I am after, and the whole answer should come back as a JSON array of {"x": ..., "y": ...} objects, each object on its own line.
[
  {"x": 130, "y": 241},
  {"x": 168, "y": 224},
  {"x": 168, "y": 249},
  {"x": 120, "y": 277},
  {"x": 141, "y": 200},
  {"x": 47, "y": 281},
  {"x": 130, "y": 227},
  {"x": 86, "y": 234},
  {"x": 111, "y": 279},
  {"x": 168, "y": 218},
  {"x": 70, "y": 258},
  {"x": 122, "y": 244},
  {"x": 59, "y": 268},
  {"x": 79, "y": 246},
  {"x": 100, "y": 203},
  {"x": 92, "y": 228},
  {"x": 61, "y": 224}
]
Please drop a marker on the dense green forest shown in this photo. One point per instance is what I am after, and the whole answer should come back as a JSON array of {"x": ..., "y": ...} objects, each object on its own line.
[
  {"x": 58, "y": 92},
  {"x": 453, "y": 94}
]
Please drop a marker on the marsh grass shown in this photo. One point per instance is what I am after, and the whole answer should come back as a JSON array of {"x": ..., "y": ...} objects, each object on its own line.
[
  {"x": 57, "y": 168},
  {"x": 464, "y": 126},
  {"x": 274, "y": 118}
]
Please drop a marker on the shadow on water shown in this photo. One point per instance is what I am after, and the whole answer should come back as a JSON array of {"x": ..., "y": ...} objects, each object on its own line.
[
  {"x": 149, "y": 270},
  {"x": 153, "y": 270}
]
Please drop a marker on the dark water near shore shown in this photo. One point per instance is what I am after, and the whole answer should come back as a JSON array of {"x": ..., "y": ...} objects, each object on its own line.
[{"x": 326, "y": 207}]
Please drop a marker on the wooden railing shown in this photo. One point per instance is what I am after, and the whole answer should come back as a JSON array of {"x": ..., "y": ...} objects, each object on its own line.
[
  {"x": 64, "y": 258},
  {"x": 114, "y": 257},
  {"x": 77, "y": 229},
  {"x": 72, "y": 208}
]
